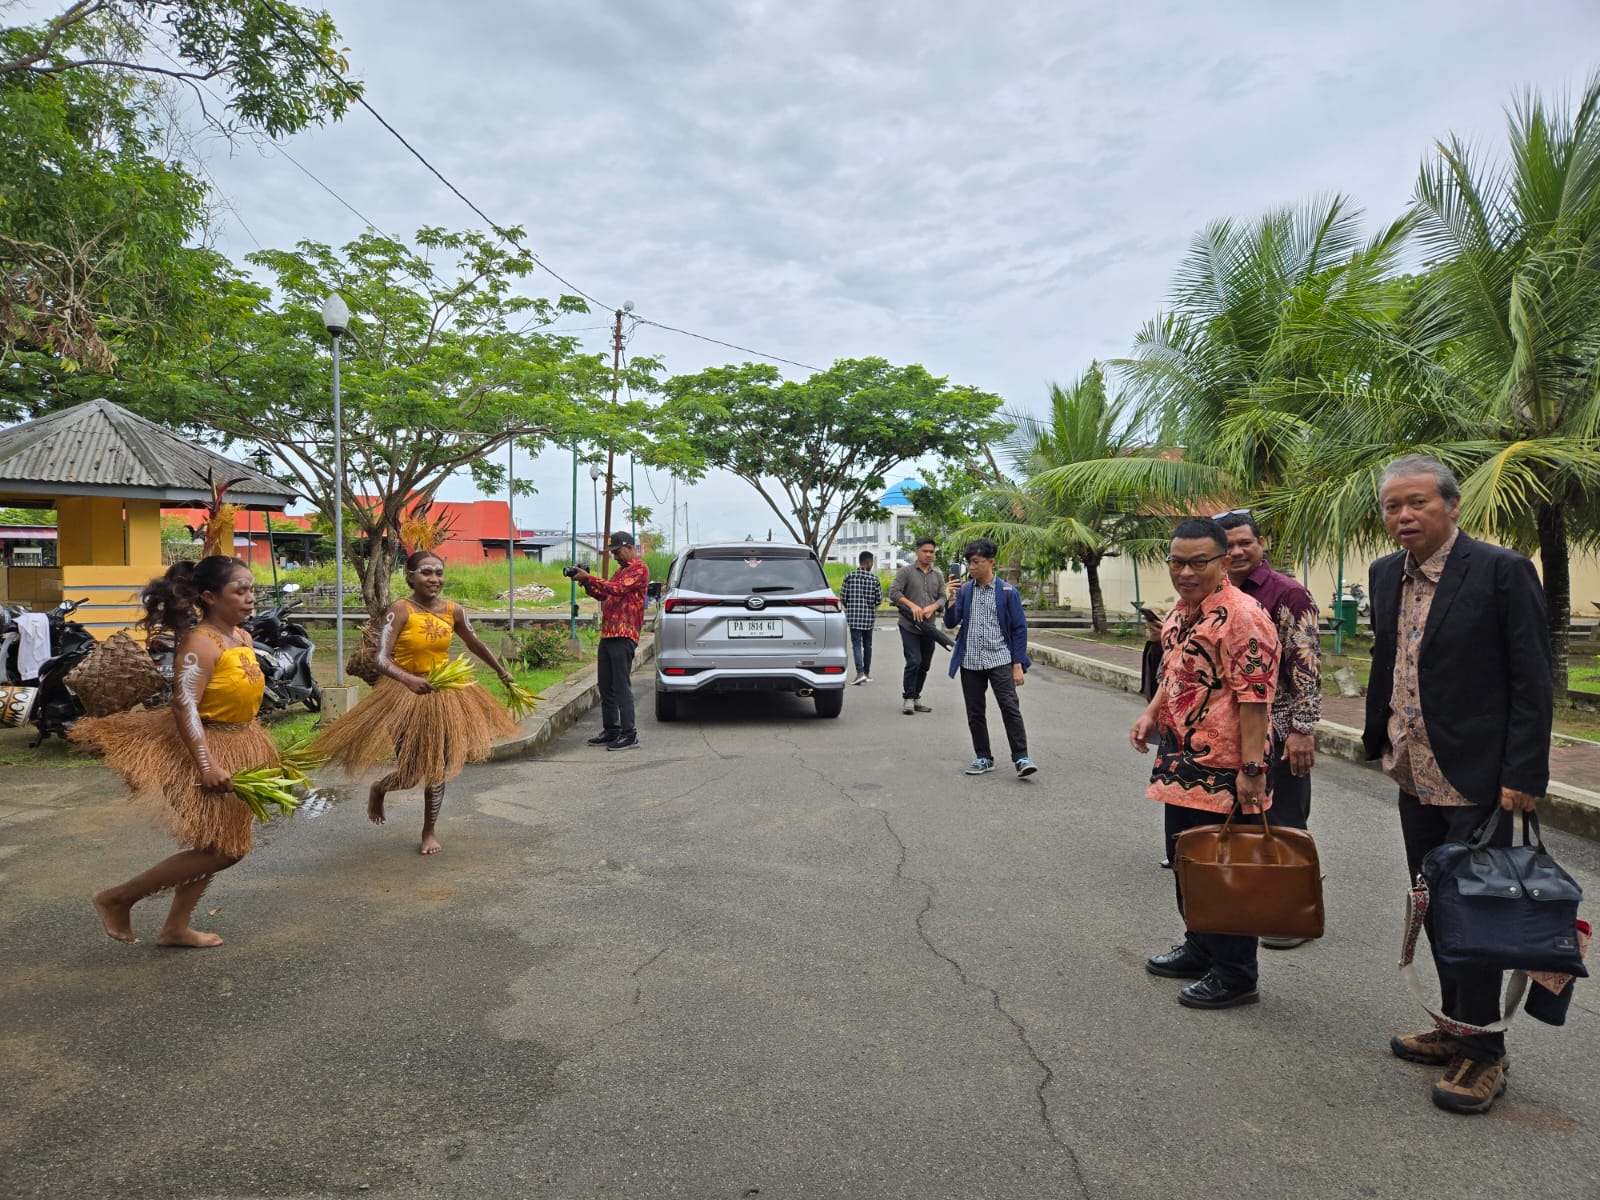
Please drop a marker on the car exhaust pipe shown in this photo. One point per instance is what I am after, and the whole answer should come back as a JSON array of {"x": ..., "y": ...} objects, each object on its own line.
[{"x": 804, "y": 693}]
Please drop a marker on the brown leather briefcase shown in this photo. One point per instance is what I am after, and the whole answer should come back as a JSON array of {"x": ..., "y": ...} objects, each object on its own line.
[{"x": 1252, "y": 880}]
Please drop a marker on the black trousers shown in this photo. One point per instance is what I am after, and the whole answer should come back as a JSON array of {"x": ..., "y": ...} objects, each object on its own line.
[
  {"x": 1291, "y": 793},
  {"x": 616, "y": 686},
  {"x": 973, "y": 684},
  {"x": 1230, "y": 957},
  {"x": 1470, "y": 996},
  {"x": 918, "y": 648}
]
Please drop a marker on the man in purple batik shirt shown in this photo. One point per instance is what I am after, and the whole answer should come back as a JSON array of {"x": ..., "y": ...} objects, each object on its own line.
[{"x": 1297, "y": 704}]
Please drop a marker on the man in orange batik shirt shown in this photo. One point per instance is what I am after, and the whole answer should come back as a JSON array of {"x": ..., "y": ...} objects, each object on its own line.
[{"x": 1210, "y": 720}]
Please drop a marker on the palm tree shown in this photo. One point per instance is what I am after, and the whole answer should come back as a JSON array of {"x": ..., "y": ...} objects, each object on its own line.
[
  {"x": 1047, "y": 526},
  {"x": 1214, "y": 376},
  {"x": 1493, "y": 365}
]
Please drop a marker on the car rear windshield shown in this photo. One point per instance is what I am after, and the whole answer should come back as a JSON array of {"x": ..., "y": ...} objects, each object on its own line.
[{"x": 742, "y": 576}]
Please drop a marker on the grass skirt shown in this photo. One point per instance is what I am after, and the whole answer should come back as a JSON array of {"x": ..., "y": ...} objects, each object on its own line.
[
  {"x": 429, "y": 738},
  {"x": 145, "y": 749}
]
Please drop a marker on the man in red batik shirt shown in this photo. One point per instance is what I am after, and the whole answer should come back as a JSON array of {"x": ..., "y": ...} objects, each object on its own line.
[{"x": 621, "y": 617}]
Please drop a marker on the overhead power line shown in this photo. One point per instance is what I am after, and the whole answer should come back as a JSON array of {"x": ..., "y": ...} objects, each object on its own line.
[{"x": 290, "y": 28}]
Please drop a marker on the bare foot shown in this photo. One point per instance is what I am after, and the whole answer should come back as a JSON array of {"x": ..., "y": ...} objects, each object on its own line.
[
  {"x": 193, "y": 939},
  {"x": 375, "y": 804},
  {"x": 430, "y": 844},
  {"x": 117, "y": 918}
]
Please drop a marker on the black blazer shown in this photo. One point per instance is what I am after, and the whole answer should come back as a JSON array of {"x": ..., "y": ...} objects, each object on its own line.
[{"x": 1483, "y": 669}]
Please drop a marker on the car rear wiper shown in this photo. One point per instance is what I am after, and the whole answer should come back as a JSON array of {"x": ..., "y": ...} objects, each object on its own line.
[{"x": 774, "y": 587}]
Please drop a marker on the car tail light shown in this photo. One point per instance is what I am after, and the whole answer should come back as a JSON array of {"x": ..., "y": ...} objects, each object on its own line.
[
  {"x": 826, "y": 604},
  {"x": 678, "y": 604},
  {"x": 681, "y": 670},
  {"x": 831, "y": 671}
]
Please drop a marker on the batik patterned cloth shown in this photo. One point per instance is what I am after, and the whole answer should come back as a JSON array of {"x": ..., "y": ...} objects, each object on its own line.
[
  {"x": 1409, "y": 760},
  {"x": 1216, "y": 655},
  {"x": 1297, "y": 704}
]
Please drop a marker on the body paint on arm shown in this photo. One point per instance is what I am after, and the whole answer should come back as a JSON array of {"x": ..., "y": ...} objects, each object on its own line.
[
  {"x": 186, "y": 694},
  {"x": 384, "y": 658}
]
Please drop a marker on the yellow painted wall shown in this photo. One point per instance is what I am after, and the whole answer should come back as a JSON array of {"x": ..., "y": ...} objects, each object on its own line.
[
  {"x": 107, "y": 549},
  {"x": 112, "y": 593},
  {"x": 90, "y": 532}
]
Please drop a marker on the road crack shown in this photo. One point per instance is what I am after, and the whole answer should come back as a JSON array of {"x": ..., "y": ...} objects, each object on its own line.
[{"x": 1046, "y": 1073}]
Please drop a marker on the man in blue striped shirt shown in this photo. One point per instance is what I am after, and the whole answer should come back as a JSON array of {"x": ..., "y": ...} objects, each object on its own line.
[{"x": 861, "y": 592}]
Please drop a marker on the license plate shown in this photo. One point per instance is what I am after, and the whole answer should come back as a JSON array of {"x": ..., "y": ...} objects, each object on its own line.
[{"x": 743, "y": 627}]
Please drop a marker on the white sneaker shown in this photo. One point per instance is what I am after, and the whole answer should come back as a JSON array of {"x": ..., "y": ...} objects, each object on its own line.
[
  {"x": 906, "y": 707},
  {"x": 859, "y": 679}
]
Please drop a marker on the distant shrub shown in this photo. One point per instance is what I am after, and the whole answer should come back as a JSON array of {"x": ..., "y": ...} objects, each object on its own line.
[{"x": 543, "y": 647}]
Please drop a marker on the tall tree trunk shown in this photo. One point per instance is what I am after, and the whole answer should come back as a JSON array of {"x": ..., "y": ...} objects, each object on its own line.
[
  {"x": 1097, "y": 596},
  {"x": 1553, "y": 556},
  {"x": 376, "y": 568}
]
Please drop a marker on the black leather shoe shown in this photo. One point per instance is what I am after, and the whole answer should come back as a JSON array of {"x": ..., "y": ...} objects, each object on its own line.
[
  {"x": 1181, "y": 962},
  {"x": 602, "y": 739},
  {"x": 1211, "y": 992},
  {"x": 627, "y": 741}
]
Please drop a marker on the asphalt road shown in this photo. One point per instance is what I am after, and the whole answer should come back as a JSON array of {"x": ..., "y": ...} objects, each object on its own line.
[{"x": 766, "y": 956}]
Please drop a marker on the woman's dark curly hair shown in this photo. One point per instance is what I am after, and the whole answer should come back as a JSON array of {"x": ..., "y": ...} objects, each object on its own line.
[{"x": 173, "y": 601}]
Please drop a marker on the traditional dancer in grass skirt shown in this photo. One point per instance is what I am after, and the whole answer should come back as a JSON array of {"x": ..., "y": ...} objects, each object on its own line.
[
  {"x": 178, "y": 760},
  {"x": 429, "y": 734}
]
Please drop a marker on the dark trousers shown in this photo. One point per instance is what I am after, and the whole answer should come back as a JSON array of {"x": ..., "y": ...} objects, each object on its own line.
[
  {"x": 616, "y": 688},
  {"x": 1231, "y": 958},
  {"x": 973, "y": 684},
  {"x": 1470, "y": 996},
  {"x": 861, "y": 645},
  {"x": 1291, "y": 793},
  {"x": 918, "y": 648}
]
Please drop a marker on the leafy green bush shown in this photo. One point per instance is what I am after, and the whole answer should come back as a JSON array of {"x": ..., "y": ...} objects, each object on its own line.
[{"x": 543, "y": 648}]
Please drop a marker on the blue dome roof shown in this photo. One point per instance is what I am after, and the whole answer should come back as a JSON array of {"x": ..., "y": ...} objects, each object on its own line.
[{"x": 896, "y": 496}]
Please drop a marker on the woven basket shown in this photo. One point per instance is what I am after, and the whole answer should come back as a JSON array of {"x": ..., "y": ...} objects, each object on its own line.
[
  {"x": 363, "y": 662},
  {"x": 117, "y": 675}
]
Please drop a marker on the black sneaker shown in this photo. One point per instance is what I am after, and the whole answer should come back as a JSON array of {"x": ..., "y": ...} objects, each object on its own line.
[
  {"x": 603, "y": 739},
  {"x": 626, "y": 741}
]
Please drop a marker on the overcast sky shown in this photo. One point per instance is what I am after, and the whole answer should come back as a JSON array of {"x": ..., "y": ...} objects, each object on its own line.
[{"x": 998, "y": 191}]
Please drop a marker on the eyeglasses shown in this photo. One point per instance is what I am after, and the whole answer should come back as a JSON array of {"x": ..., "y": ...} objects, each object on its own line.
[
  {"x": 1198, "y": 564},
  {"x": 1232, "y": 512}
]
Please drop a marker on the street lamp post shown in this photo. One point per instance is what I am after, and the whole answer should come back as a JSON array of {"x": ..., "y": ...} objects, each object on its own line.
[{"x": 336, "y": 317}]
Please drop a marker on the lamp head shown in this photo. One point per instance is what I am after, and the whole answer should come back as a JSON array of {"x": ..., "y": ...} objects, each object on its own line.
[
  {"x": 627, "y": 306},
  {"x": 336, "y": 315},
  {"x": 594, "y": 470}
]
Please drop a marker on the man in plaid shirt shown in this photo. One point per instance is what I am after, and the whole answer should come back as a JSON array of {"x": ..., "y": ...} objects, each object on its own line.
[{"x": 861, "y": 592}]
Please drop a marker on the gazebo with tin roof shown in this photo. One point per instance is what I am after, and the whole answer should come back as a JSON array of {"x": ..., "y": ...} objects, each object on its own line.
[{"x": 108, "y": 473}]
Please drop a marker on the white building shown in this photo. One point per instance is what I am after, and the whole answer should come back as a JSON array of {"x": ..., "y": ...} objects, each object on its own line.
[{"x": 889, "y": 540}]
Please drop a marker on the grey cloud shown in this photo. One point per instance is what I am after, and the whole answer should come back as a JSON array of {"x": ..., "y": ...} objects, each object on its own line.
[{"x": 1001, "y": 193}]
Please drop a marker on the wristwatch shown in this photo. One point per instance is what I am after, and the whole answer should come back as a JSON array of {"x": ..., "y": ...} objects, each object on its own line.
[{"x": 1252, "y": 769}]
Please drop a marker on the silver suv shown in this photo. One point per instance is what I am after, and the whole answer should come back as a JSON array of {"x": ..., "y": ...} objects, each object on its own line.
[{"x": 750, "y": 616}]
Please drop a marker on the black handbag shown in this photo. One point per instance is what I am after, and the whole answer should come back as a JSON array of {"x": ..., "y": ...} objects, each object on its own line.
[{"x": 1503, "y": 908}]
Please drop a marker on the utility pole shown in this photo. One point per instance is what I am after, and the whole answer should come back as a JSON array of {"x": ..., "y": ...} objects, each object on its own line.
[{"x": 611, "y": 458}]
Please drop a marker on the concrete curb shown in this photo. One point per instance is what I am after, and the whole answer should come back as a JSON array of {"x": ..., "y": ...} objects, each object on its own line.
[
  {"x": 559, "y": 710},
  {"x": 1572, "y": 809}
]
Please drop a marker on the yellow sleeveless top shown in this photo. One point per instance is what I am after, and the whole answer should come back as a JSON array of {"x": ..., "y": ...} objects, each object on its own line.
[
  {"x": 424, "y": 641},
  {"x": 234, "y": 694}
]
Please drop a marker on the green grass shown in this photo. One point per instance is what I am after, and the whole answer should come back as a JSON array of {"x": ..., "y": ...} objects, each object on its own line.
[{"x": 476, "y": 587}]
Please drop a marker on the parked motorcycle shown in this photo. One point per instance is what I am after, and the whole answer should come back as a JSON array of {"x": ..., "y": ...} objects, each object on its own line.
[
  {"x": 284, "y": 649},
  {"x": 55, "y": 707}
]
